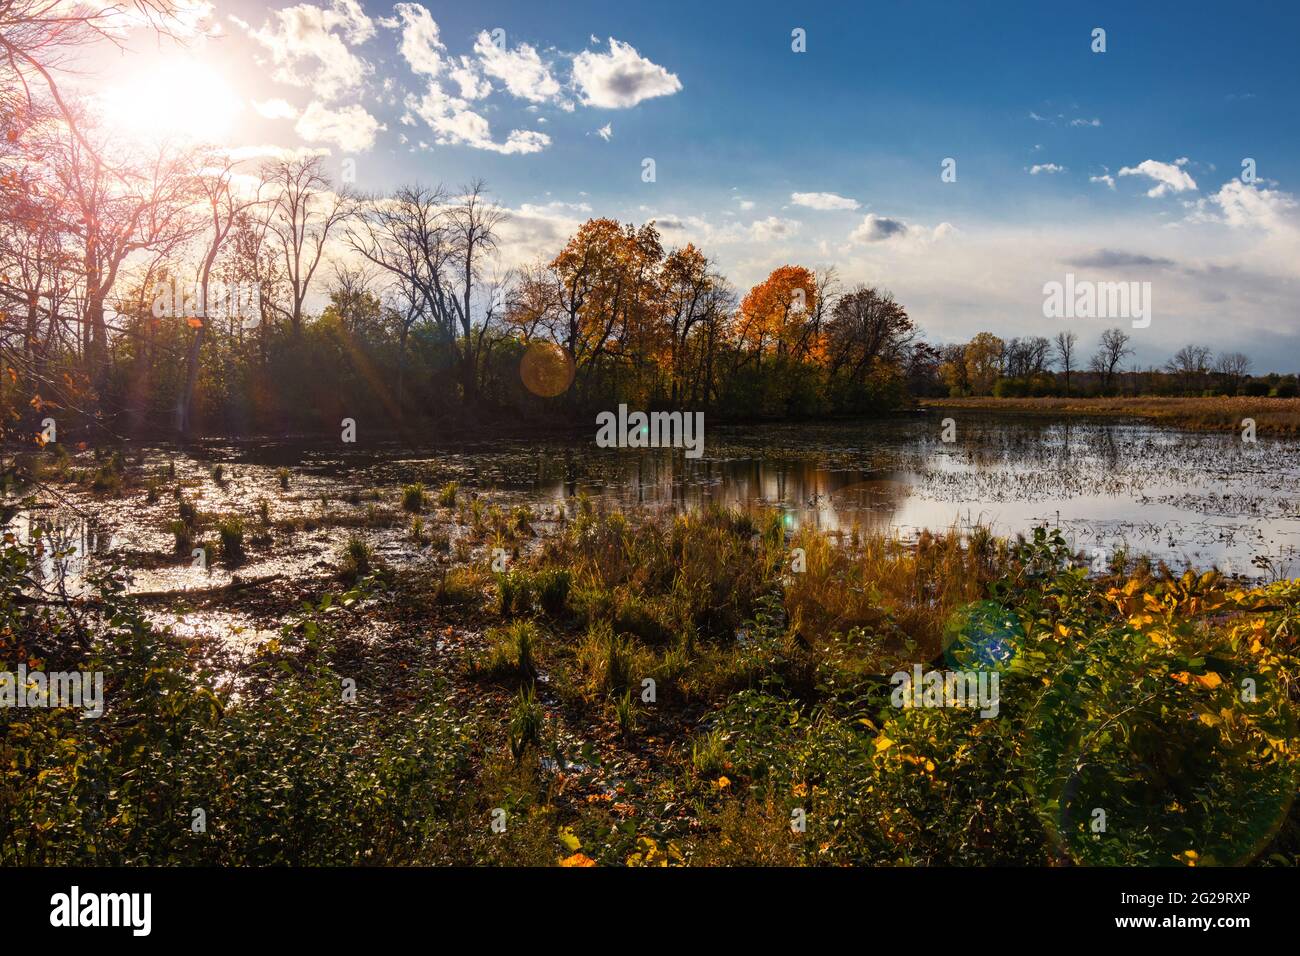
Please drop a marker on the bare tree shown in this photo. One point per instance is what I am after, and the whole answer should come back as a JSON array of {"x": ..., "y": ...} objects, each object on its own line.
[
  {"x": 114, "y": 205},
  {"x": 1234, "y": 367},
  {"x": 224, "y": 207},
  {"x": 349, "y": 290},
  {"x": 302, "y": 211},
  {"x": 687, "y": 279},
  {"x": 405, "y": 235},
  {"x": 473, "y": 224},
  {"x": 1110, "y": 352},
  {"x": 1064, "y": 345},
  {"x": 39, "y": 37},
  {"x": 1190, "y": 365}
]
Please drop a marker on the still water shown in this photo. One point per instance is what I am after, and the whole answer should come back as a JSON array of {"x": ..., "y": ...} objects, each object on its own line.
[{"x": 1188, "y": 498}]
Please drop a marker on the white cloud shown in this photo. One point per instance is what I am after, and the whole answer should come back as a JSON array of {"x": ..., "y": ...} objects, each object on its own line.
[
  {"x": 554, "y": 207},
  {"x": 606, "y": 132},
  {"x": 620, "y": 78},
  {"x": 1085, "y": 122},
  {"x": 420, "y": 46},
  {"x": 1106, "y": 179},
  {"x": 773, "y": 227},
  {"x": 534, "y": 232},
  {"x": 1169, "y": 177},
  {"x": 309, "y": 46},
  {"x": 353, "y": 19},
  {"x": 275, "y": 109},
  {"x": 1048, "y": 168},
  {"x": 520, "y": 69},
  {"x": 874, "y": 228},
  {"x": 350, "y": 128},
  {"x": 473, "y": 85},
  {"x": 1244, "y": 206},
  {"x": 746, "y": 204},
  {"x": 823, "y": 201},
  {"x": 267, "y": 151},
  {"x": 456, "y": 124}
]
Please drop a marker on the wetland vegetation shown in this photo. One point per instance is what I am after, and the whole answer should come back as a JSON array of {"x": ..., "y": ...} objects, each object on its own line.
[{"x": 505, "y": 654}]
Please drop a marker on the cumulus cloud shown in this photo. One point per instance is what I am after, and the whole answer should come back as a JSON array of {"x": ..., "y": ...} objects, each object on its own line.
[
  {"x": 309, "y": 46},
  {"x": 536, "y": 231},
  {"x": 773, "y": 227},
  {"x": 350, "y": 128},
  {"x": 823, "y": 201},
  {"x": 874, "y": 228},
  {"x": 421, "y": 47},
  {"x": 522, "y": 70},
  {"x": 620, "y": 78},
  {"x": 606, "y": 132},
  {"x": 1048, "y": 168},
  {"x": 1105, "y": 179},
  {"x": 1169, "y": 177},
  {"x": 466, "y": 75},
  {"x": 1249, "y": 205},
  {"x": 454, "y": 123}
]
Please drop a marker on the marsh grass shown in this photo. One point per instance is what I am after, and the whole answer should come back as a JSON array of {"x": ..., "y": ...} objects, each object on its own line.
[
  {"x": 230, "y": 532},
  {"x": 447, "y": 494},
  {"x": 413, "y": 498},
  {"x": 1280, "y": 416},
  {"x": 357, "y": 559},
  {"x": 511, "y": 653},
  {"x": 526, "y": 721},
  {"x": 458, "y": 587}
]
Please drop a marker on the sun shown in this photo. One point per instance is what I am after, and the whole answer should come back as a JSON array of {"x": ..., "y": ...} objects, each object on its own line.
[{"x": 175, "y": 98}]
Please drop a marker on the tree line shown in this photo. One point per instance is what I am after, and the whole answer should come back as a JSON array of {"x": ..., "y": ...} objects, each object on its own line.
[
  {"x": 1039, "y": 366},
  {"x": 421, "y": 321}
]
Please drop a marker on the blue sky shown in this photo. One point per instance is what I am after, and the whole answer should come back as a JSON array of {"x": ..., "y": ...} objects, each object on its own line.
[{"x": 1122, "y": 165}]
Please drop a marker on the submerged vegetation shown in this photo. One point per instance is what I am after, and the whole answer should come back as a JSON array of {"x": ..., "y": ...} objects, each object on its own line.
[{"x": 709, "y": 688}]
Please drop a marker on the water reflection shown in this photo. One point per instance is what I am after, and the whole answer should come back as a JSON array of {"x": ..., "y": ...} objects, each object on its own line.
[
  {"x": 64, "y": 546},
  {"x": 1197, "y": 498},
  {"x": 824, "y": 498}
]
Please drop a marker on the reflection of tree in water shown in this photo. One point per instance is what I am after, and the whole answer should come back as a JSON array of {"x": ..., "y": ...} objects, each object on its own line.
[
  {"x": 63, "y": 546},
  {"x": 808, "y": 492}
]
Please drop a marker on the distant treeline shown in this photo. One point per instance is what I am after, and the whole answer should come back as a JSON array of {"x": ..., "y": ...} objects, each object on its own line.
[{"x": 1036, "y": 366}]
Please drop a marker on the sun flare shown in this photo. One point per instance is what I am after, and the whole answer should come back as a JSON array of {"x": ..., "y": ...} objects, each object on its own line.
[{"x": 177, "y": 98}]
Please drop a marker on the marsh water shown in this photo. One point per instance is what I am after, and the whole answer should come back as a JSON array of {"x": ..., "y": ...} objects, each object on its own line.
[{"x": 1188, "y": 498}]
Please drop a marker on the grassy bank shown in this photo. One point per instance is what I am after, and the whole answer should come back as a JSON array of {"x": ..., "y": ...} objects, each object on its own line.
[
  {"x": 702, "y": 690},
  {"x": 1277, "y": 416}
]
